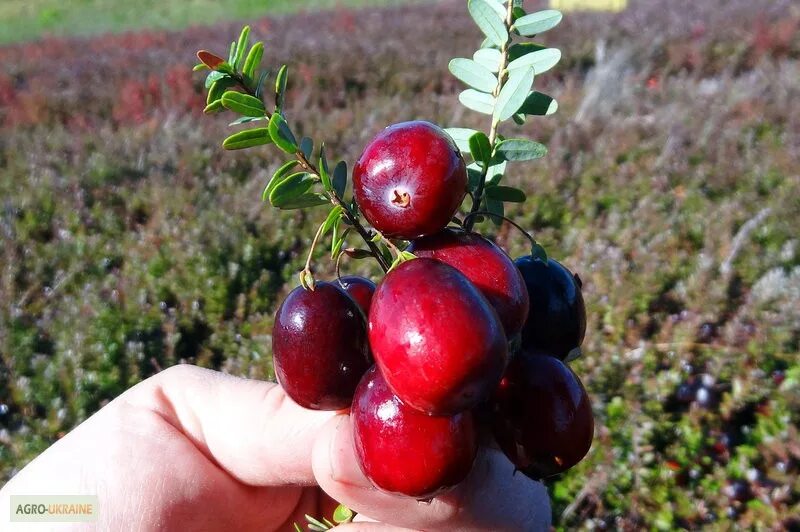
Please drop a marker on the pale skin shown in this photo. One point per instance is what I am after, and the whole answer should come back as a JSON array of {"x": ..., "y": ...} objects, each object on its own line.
[{"x": 193, "y": 449}]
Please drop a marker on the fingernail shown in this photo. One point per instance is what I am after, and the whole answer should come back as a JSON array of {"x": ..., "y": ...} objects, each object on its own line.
[{"x": 343, "y": 459}]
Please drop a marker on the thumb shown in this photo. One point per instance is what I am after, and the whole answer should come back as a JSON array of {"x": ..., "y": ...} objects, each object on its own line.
[{"x": 251, "y": 429}]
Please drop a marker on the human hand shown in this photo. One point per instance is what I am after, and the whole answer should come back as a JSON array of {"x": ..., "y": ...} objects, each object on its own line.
[{"x": 194, "y": 449}]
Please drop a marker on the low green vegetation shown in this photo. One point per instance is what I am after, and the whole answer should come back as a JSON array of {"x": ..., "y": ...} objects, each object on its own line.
[
  {"x": 23, "y": 20},
  {"x": 130, "y": 241}
]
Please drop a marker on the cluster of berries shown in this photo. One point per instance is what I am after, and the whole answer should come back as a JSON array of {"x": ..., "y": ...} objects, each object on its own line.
[{"x": 458, "y": 340}]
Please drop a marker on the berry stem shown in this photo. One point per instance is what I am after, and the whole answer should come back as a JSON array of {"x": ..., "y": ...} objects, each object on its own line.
[
  {"x": 306, "y": 277},
  {"x": 501, "y": 79},
  {"x": 536, "y": 248},
  {"x": 308, "y": 166}
]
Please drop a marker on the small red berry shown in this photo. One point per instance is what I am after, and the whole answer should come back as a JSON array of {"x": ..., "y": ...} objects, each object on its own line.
[
  {"x": 410, "y": 180},
  {"x": 402, "y": 450},
  {"x": 319, "y": 347}
]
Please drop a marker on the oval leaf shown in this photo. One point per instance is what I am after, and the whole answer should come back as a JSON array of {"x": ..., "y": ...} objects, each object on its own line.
[
  {"x": 339, "y": 181},
  {"x": 247, "y": 139},
  {"x": 541, "y": 61},
  {"x": 488, "y": 20},
  {"x": 480, "y": 147},
  {"x": 513, "y": 93},
  {"x": 510, "y": 194},
  {"x": 523, "y": 48},
  {"x": 477, "y": 101},
  {"x": 241, "y": 46},
  {"x": 460, "y": 136},
  {"x": 539, "y": 104},
  {"x": 210, "y": 60},
  {"x": 281, "y": 135},
  {"x": 473, "y": 74},
  {"x": 290, "y": 188},
  {"x": 521, "y": 150},
  {"x": 538, "y": 22},
  {"x": 277, "y": 177},
  {"x": 488, "y": 58},
  {"x": 244, "y": 104},
  {"x": 333, "y": 217},
  {"x": 253, "y": 59},
  {"x": 307, "y": 147},
  {"x": 304, "y": 201},
  {"x": 280, "y": 86}
]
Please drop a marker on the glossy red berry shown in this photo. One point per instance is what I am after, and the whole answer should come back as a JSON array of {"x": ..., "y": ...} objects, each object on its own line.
[
  {"x": 556, "y": 321},
  {"x": 542, "y": 416},
  {"x": 486, "y": 266},
  {"x": 410, "y": 180},
  {"x": 402, "y": 450},
  {"x": 360, "y": 289},
  {"x": 319, "y": 347},
  {"x": 436, "y": 339}
]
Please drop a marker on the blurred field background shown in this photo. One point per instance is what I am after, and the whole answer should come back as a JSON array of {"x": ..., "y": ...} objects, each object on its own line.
[{"x": 129, "y": 241}]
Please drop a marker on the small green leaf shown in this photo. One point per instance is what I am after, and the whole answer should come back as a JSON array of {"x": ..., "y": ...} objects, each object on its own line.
[
  {"x": 480, "y": 148},
  {"x": 340, "y": 178},
  {"x": 477, "y": 101},
  {"x": 324, "y": 174},
  {"x": 200, "y": 66},
  {"x": 247, "y": 139},
  {"x": 307, "y": 147},
  {"x": 281, "y": 134},
  {"x": 523, "y": 48},
  {"x": 297, "y": 528},
  {"x": 497, "y": 209},
  {"x": 305, "y": 201},
  {"x": 489, "y": 21},
  {"x": 502, "y": 193},
  {"x": 244, "y": 104},
  {"x": 280, "y": 87},
  {"x": 226, "y": 68},
  {"x": 538, "y": 22},
  {"x": 260, "y": 84},
  {"x": 214, "y": 76},
  {"x": 513, "y": 93},
  {"x": 333, "y": 217},
  {"x": 253, "y": 59},
  {"x": 337, "y": 240},
  {"x": 541, "y": 61},
  {"x": 473, "y": 74},
  {"x": 291, "y": 188},
  {"x": 460, "y": 136},
  {"x": 213, "y": 107},
  {"x": 519, "y": 119},
  {"x": 521, "y": 150},
  {"x": 474, "y": 176},
  {"x": 538, "y": 252},
  {"x": 539, "y": 104},
  {"x": 315, "y": 522},
  {"x": 277, "y": 177},
  {"x": 517, "y": 13},
  {"x": 232, "y": 53},
  {"x": 246, "y": 119},
  {"x": 489, "y": 58},
  {"x": 218, "y": 88},
  {"x": 241, "y": 46}
]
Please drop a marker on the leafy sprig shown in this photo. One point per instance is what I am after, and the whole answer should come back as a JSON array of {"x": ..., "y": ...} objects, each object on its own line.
[
  {"x": 500, "y": 78},
  {"x": 305, "y": 180}
]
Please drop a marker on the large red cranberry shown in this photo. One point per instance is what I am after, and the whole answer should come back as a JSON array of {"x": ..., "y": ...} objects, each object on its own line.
[
  {"x": 486, "y": 266},
  {"x": 542, "y": 416},
  {"x": 410, "y": 180},
  {"x": 402, "y": 450},
  {"x": 436, "y": 339},
  {"x": 319, "y": 347},
  {"x": 360, "y": 289},
  {"x": 557, "y": 317}
]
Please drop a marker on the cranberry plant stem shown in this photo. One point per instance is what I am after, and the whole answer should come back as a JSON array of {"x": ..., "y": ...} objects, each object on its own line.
[{"x": 501, "y": 79}]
